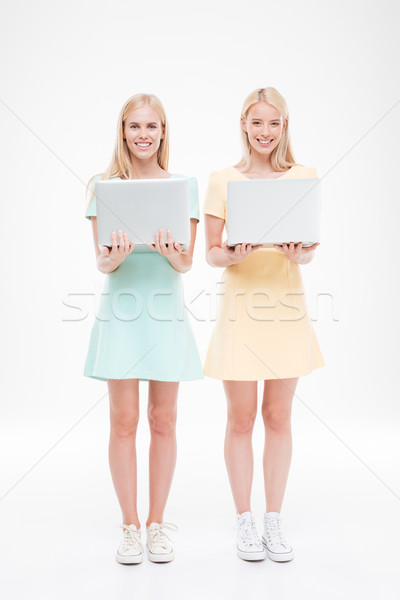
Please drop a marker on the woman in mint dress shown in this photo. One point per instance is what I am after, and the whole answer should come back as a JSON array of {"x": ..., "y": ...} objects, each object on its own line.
[{"x": 142, "y": 332}]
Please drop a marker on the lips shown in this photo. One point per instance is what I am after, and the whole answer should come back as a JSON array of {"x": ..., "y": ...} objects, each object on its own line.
[
  {"x": 265, "y": 142},
  {"x": 143, "y": 144}
]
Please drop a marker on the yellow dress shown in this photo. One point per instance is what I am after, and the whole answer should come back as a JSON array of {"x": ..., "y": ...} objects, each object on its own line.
[{"x": 263, "y": 330}]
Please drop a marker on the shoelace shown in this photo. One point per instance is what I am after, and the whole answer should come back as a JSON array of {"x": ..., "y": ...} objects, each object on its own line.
[
  {"x": 248, "y": 532},
  {"x": 274, "y": 531},
  {"x": 158, "y": 534},
  {"x": 131, "y": 538}
]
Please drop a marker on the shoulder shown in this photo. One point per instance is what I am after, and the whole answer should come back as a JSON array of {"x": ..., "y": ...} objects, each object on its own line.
[
  {"x": 216, "y": 194},
  {"x": 91, "y": 186},
  {"x": 91, "y": 196},
  {"x": 192, "y": 179},
  {"x": 303, "y": 171},
  {"x": 223, "y": 174},
  {"x": 193, "y": 185},
  {"x": 218, "y": 180},
  {"x": 95, "y": 178},
  {"x": 100, "y": 177},
  {"x": 193, "y": 194}
]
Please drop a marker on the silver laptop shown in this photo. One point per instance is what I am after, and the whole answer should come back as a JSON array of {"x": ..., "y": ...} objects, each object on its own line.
[
  {"x": 141, "y": 207},
  {"x": 274, "y": 211}
]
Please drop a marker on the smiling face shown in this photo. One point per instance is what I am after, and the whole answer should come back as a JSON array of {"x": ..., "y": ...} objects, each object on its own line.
[
  {"x": 143, "y": 132},
  {"x": 264, "y": 126}
]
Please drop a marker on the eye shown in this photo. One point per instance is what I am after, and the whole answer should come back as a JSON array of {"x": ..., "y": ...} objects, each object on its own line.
[
  {"x": 152, "y": 126},
  {"x": 275, "y": 123},
  {"x": 256, "y": 122},
  {"x": 133, "y": 126}
]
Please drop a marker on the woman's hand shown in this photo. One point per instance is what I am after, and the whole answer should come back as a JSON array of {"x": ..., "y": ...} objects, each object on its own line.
[
  {"x": 179, "y": 259},
  {"x": 109, "y": 260},
  {"x": 172, "y": 251},
  {"x": 239, "y": 253},
  {"x": 297, "y": 254}
]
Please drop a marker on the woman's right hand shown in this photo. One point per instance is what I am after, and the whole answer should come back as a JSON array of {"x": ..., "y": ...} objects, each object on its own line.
[
  {"x": 240, "y": 253},
  {"x": 111, "y": 259}
]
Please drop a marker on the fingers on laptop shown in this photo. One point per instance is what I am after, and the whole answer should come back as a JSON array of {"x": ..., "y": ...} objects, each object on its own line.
[{"x": 124, "y": 245}]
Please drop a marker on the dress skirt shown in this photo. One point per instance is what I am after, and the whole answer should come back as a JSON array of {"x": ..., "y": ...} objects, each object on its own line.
[
  {"x": 263, "y": 330},
  {"x": 141, "y": 330}
]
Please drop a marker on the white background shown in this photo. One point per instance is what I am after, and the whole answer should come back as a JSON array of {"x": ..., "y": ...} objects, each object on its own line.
[{"x": 67, "y": 68}]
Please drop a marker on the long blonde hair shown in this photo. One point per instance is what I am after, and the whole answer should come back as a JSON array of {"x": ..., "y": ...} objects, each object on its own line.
[
  {"x": 282, "y": 155},
  {"x": 120, "y": 164}
]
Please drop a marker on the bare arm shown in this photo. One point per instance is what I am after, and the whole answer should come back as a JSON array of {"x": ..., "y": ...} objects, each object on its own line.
[
  {"x": 217, "y": 253},
  {"x": 108, "y": 260}
]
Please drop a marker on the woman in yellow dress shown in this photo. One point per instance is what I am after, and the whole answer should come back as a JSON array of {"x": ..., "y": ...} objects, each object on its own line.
[{"x": 263, "y": 331}]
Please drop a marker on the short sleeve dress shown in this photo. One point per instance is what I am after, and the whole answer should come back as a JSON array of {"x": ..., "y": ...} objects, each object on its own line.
[
  {"x": 142, "y": 330},
  {"x": 263, "y": 330}
]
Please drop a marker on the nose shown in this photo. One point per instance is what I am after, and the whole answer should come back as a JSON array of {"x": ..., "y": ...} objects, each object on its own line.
[
  {"x": 265, "y": 130},
  {"x": 141, "y": 132}
]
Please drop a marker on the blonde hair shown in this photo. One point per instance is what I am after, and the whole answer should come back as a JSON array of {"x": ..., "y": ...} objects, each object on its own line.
[
  {"x": 282, "y": 155},
  {"x": 120, "y": 164}
]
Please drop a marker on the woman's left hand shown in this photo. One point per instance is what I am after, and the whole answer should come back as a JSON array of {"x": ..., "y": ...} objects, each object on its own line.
[
  {"x": 173, "y": 249},
  {"x": 297, "y": 254}
]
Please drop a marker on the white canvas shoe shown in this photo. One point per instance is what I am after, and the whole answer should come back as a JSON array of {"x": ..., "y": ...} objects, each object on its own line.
[
  {"x": 249, "y": 546},
  {"x": 159, "y": 547},
  {"x": 274, "y": 540},
  {"x": 130, "y": 551}
]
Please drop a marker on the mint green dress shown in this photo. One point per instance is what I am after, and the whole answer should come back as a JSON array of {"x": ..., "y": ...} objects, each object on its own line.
[{"x": 141, "y": 329}]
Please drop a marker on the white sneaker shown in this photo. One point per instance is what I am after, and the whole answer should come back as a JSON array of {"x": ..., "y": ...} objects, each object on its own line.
[
  {"x": 274, "y": 540},
  {"x": 249, "y": 546},
  {"x": 159, "y": 545},
  {"x": 130, "y": 551}
]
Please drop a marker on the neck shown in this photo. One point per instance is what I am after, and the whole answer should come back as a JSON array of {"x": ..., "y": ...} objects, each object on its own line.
[
  {"x": 146, "y": 168},
  {"x": 260, "y": 163}
]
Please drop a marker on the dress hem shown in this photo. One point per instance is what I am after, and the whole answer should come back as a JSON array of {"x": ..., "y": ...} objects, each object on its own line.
[
  {"x": 286, "y": 376},
  {"x": 145, "y": 378}
]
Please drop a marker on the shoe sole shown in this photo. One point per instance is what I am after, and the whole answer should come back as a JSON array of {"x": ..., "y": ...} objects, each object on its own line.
[
  {"x": 251, "y": 555},
  {"x": 275, "y": 556},
  {"x": 160, "y": 558},
  {"x": 129, "y": 560}
]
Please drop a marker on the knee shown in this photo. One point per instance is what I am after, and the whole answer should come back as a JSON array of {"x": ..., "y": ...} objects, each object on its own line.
[
  {"x": 124, "y": 425},
  {"x": 241, "y": 423},
  {"x": 277, "y": 420},
  {"x": 161, "y": 422}
]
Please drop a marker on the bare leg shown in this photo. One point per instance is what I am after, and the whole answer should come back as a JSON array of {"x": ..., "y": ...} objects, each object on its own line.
[
  {"x": 276, "y": 411},
  {"x": 124, "y": 418},
  {"x": 162, "y": 411},
  {"x": 242, "y": 409}
]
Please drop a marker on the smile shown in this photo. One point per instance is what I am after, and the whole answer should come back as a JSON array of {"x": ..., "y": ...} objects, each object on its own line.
[
  {"x": 265, "y": 142},
  {"x": 143, "y": 144}
]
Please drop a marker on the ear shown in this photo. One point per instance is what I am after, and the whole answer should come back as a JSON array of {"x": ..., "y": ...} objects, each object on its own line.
[
  {"x": 163, "y": 132},
  {"x": 285, "y": 124},
  {"x": 243, "y": 123}
]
